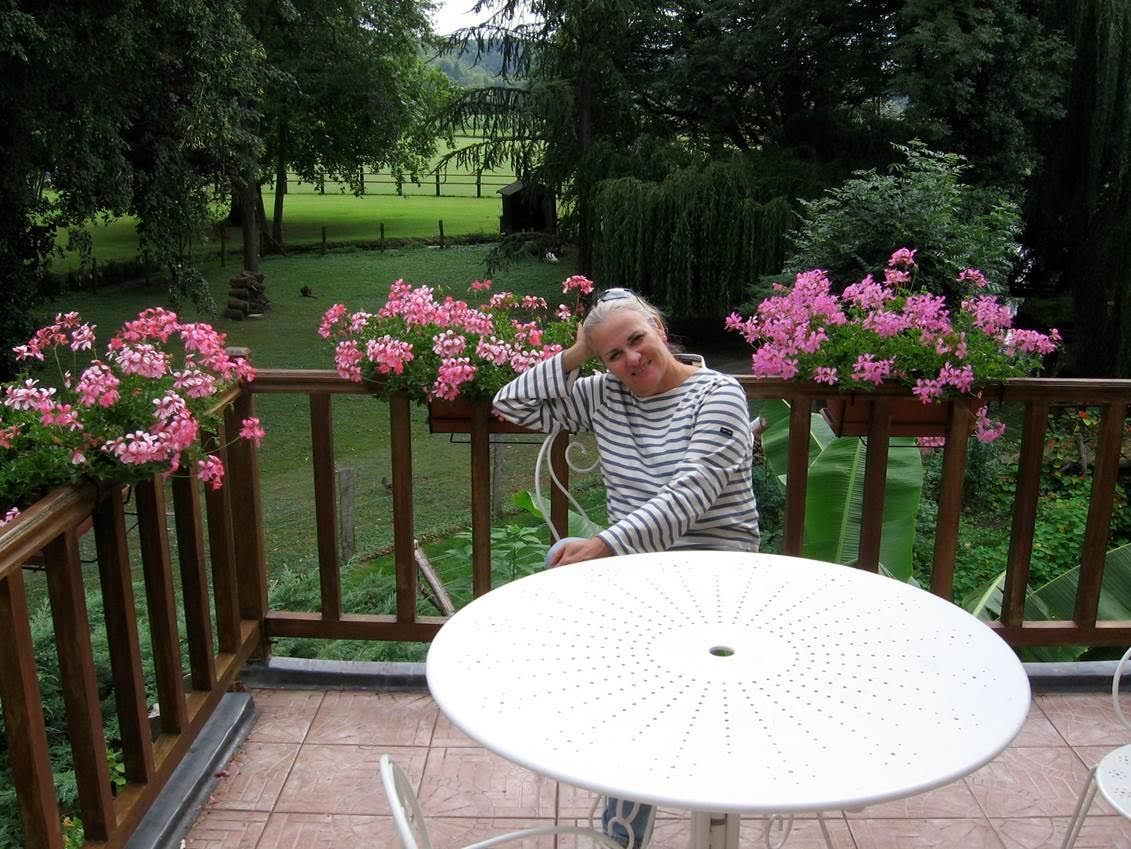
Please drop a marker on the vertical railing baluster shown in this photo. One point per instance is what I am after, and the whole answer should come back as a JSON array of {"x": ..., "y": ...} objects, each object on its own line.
[
  {"x": 121, "y": 633},
  {"x": 480, "y": 499},
  {"x": 1100, "y": 505},
  {"x": 559, "y": 504},
  {"x": 24, "y": 727},
  {"x": 797, "y": 476},
  {"x": 1026, "y": 494},
  {"x": 79, "y": 685},
  {"x": 194, "y": 582},
  {"x": 950, "y": 498},
  {"x": 404, "y": 543},
  {"x": 325, "y": 505},
  {"x": 875, "y": 483},
  {"x": 222, "y": 551},
  {"x": 247, "y": 518},
  {"x": 157, "y": 570}
]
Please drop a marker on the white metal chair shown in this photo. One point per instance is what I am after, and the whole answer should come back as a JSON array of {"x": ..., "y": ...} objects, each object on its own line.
[
  {"x": 1111, "y": 776},
  {"x": 413, "y": 831}
]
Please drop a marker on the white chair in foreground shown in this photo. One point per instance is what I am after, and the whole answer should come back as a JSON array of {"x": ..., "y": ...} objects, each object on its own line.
[
  {"x": 413, "y": 831},
  {"x": 1111, "y": 776}
]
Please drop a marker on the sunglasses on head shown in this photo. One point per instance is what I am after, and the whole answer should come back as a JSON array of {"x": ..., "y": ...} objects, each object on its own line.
[{"x": 615, "y": 294}]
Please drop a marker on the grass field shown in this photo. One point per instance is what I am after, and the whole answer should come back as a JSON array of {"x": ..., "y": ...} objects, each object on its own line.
[{"x": 345, "y": 217}]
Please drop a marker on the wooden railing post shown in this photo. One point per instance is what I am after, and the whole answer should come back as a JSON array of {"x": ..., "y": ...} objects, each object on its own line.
[
  {"x": 325, "y": 505},
  {"x": 25, "y": 729},
  {"x": 950, "y": 500},
  {"x": 158, "y": 572},
  {"x": 247, "y": 517},
  {"x": 194, "y": 583},
  {"x": 797, "y": 475},
  {"x": 79, "y": 685},
  {"x": 480, "y": 499},
  {"x": 1026, "y": 494},
  {"x": 121, "y": 633},
  {"x": 404, "y": 542},
  {"x": 222, "y": 553},
  {"x": 1094, "y": 549},
  {"x": 559, "y": 504}
]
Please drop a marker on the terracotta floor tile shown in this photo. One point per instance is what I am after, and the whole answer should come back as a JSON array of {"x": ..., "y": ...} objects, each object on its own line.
[
  {"x": 283, "y": 716},
  {"x": 1048, "y": 832},
  {"x": 456, "y": 832},
  {"x": 344, "y": 779},
  {"x": 1038, "y": 730},
  {"x": 953, "y": 800},
  {"x": 251, "y": 781},
  {"x": 328, "y": 831},
  {"x": 374, "y": 719},
  {"x": 1083, "y": 719},
  {"x": 924, "y": 834},
  {"x": 226, "y": 830},
  {"x": 476, "y": 783},
  {"x": 1029, "y": 782},
  {"x": 446, "y": 734}
]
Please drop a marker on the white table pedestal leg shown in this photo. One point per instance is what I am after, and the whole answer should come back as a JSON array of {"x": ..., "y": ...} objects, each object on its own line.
[{"x": 714, "y": 831}]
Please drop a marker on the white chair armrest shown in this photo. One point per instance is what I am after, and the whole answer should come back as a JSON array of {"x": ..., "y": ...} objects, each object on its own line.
[{"x": 1115, "y": 688}]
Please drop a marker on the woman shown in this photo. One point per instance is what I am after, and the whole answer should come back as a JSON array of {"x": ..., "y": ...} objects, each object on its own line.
[{"x": 675, "y": 447}]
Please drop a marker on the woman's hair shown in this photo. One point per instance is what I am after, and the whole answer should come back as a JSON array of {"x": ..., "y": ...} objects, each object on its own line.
[{"x": 616, "y": 300}]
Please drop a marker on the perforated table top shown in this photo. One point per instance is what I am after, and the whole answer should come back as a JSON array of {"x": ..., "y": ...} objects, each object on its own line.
[{"x": 729, "y": 682}]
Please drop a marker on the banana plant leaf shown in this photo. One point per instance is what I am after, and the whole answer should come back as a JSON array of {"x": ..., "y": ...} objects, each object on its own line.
[
  {"x": 1056, "y": 600},
  {"x": 835, "y": 495}
]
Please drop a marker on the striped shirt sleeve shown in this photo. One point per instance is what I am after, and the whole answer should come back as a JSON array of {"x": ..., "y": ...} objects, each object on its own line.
[{"x": 546, "y": 398}]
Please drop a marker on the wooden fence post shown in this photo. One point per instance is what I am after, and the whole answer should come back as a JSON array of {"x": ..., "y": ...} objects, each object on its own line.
[
  {"x": 346, "y": 533},
  {"x": 323, "y": 238},
  {"x": 437, "y": 182},
  {"x": 441, "y": 232}
]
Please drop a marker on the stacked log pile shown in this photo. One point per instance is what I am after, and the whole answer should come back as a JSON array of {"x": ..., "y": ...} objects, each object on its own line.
[{"x": 247, "y": 296}]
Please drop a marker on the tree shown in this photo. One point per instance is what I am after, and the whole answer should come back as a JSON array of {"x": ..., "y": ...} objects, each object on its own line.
[
  {"x": 980, "y": 78},
  {"x": 111, "y": 110},
  {"x": 367, "y": 108},
  {"x": 1080, "y": 211}
]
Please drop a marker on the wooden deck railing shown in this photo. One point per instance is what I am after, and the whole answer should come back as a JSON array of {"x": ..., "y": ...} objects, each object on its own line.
[{"x": 187, "y": 694}]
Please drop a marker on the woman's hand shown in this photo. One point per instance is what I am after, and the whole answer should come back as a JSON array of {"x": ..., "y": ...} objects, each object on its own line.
[
  {"x": 577, "y": 354},
  {"x": 577, "y": 551}
]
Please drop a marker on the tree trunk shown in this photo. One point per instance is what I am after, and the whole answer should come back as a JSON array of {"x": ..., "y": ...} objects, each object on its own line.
[
  {"x": 249, "y": 226},
  {"x": 280, "y": 187}
]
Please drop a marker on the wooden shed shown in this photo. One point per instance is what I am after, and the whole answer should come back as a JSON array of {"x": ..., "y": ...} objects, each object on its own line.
[{"x": 527, "y": 208}]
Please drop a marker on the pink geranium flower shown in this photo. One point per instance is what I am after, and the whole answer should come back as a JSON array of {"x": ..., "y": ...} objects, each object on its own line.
[{"x": 875, "y": 333}]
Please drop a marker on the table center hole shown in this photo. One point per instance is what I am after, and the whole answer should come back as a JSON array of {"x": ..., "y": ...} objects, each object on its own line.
[{"x": 721, "y": 651}]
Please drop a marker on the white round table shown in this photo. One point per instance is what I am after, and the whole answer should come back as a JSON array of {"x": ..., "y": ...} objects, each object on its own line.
[{"x": 721, "y": 681}]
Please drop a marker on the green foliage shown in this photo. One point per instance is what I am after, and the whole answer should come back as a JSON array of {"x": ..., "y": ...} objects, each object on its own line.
[
  {"x": 693, "y": 242},
  {"x": 834, "y": 497},
  {"x": 921, "y": 202}
]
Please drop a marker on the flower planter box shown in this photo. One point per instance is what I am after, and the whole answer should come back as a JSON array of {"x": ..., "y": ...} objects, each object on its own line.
[
  {"x": 455, "y": 417},
  {"x": 909, "y": 416}
]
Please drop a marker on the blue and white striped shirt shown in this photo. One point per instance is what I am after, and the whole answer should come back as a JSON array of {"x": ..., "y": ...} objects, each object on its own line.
[{"x": 676, "y": 466}]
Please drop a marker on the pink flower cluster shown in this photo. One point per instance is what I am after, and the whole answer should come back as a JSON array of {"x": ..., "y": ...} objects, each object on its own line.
[
  {"x": 140, "y": 405},
  {"x": 437, "y": 346},
  {"x": 875, "y": 332}
]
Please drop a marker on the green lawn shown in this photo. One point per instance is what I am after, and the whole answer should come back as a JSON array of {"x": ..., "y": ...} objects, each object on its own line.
[{"x": 345, "y": 217}]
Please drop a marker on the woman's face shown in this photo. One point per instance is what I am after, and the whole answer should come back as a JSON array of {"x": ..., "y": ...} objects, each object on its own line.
[{"x": 633, "y": 349}]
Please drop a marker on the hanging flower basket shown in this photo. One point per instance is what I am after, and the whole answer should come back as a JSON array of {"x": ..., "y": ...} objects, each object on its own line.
[
  {"x": 909, "y": 416},
  {"x": 456, "y": 417}
]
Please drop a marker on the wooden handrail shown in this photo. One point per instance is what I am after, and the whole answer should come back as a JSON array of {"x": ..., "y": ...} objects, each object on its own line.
[{"x": 235, "y": 554}]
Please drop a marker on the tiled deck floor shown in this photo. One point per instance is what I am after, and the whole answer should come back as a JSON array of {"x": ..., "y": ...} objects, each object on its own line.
[{"x": 307, "y": 779}]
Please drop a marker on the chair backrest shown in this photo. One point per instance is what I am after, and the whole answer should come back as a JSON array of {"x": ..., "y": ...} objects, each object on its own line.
[
  {"x": 407, "y": 816},
  {"x": 1115, "y": 688}
]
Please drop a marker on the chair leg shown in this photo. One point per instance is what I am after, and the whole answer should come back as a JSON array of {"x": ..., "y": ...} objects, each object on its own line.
[
  {"x": 1082, "y": 806},
  {"x": 825, "y": 829}
]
